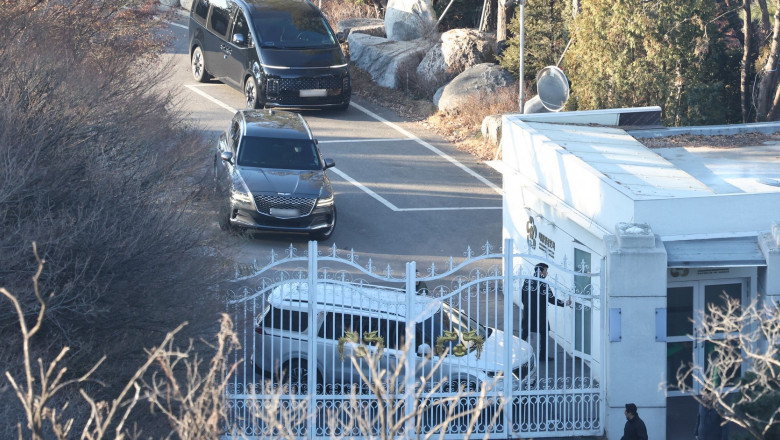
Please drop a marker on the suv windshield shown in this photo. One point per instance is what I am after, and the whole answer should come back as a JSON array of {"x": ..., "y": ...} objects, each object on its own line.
[
  {"x": 283, "y": 154},
  {"x": 285, "y": 31},
  {"x": 449, "y": 319}
]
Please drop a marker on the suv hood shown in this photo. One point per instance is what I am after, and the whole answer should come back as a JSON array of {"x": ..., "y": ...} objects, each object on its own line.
[
  {"x": 283, "y": 181},
  {"x": 297, "y": 58}
]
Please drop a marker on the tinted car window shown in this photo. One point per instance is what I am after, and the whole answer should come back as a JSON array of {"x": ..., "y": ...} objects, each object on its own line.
[
  {"x": 202, "y": 8},
  {"x": 286, "y": 30},
  {"x": 283, "y": 154},
  {"x": 219, "y": 21},
  {"x": 241, "y": 27},
  {"x": 291, "y": 320}
]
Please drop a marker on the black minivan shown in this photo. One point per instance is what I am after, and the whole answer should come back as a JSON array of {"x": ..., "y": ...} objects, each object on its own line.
[{"x": 280, "y": 53}]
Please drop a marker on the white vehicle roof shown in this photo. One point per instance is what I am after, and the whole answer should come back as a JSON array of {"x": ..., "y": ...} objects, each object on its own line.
[{"x": 365, "y": 299}]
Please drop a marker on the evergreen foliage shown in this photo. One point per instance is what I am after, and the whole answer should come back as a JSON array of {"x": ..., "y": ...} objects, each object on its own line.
[
  {"x": 667, "y": 53},
  {"x": 546, "y": 35}
]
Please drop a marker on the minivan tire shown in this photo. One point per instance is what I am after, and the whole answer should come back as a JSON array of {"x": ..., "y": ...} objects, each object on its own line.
[
  {"x": 198, "y": 65},
  {"x": 251, "y": 92}
]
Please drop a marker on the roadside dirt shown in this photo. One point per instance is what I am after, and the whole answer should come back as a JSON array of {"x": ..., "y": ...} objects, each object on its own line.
[{"x": 423, "y": 112}]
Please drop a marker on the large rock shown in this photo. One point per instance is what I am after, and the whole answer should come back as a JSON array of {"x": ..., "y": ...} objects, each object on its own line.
[
  {"x": 370, "y": 26},
  {"x": 383, "y": 58},
  {"x": 457, "y": 50},
  {"x": 186, "y": 4},
  {"x": 471, "y": 85},
  {"x": 407, "y": 20}
]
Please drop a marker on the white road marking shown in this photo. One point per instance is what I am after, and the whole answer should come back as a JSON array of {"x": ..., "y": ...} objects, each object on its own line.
[
  {"x": 359, "y": 185},
  {"x": 346, "y": 141},
  {"x": 211, "y": 98},
  {"x": 177, "y": 25},
  {"x": 365, "y": 189},
  {"x": 428, "y": 146}
]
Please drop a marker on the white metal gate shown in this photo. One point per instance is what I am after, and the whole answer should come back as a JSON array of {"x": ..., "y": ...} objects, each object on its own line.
[{"x": 328, "y": 341}]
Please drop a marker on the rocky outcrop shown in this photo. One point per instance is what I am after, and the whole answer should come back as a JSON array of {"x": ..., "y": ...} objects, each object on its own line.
[
  {"x": 470, "y": 85},
  {"x": 370, "y": 26},
  {"x": 383, "y": 58},
  {"x": 407, "y": 20},
  {"x": 457, "y": 50}
]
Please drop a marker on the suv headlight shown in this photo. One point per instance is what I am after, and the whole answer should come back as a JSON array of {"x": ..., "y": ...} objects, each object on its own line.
[
  {"x": 240, "y": 193},
  {"x": 326, "y": 199}
]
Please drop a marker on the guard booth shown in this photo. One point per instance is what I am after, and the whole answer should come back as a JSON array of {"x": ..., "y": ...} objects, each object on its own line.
[{"x": 672, "y": 229}]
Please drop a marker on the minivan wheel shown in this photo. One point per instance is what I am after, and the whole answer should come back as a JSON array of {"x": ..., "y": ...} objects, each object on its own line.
[
  {"x": 324, "y": 235},
  {"x": 199, "y": 72},
  {"x": 250, "y": 92}
]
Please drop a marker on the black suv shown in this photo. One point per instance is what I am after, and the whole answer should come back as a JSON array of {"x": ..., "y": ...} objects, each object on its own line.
[
  {"x": 281, "y": 53},
  {"x": 271, "y": 176}
]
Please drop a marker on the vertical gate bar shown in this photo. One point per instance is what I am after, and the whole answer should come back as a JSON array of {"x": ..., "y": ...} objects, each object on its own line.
[
  {"x": 508, "y": 335},
  {"x": 411, "y": 354},
  {"x": 312, "y": 334},
  {"x": 602, "y": 340}
]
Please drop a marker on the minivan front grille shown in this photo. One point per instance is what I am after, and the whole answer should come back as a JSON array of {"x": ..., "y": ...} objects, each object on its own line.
[
  {"x": 303, "y": 204},
  {"x": 322, "y": 82}
]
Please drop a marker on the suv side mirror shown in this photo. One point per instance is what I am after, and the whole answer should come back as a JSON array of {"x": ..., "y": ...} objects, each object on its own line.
[
  {"x": 227, "y": 156},
  {"x": 329, "y": 163},
  {"x": 239, "y": 40},
  {"x": 341, "y": 37}
]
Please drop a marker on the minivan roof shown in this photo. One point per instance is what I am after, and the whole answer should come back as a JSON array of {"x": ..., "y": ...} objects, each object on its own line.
[
  {"x": 277, "y": 124},
  {"x": 364, "y": 299},
  {"x": 293, "y": 6}
]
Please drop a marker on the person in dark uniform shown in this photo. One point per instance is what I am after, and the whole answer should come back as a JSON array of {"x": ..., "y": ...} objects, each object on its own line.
[
  {"x": 535, "y": 296},
  {"x": 635, "y": 428},
  {"x": 420, "y": 286},
  {"x": 709, "y": 424}
]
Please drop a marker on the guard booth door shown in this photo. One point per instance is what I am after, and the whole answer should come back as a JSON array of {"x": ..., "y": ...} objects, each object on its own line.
[{"x": 687, "y": 305}]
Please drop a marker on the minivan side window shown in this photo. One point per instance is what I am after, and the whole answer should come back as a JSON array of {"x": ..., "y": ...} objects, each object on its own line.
[
  {"x": 202, "y": 9},
  {"x": 220, "y": 18},
  {"x": 241, "y": 27}
]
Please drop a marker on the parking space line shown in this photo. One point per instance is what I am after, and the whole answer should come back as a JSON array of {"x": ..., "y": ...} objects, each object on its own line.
[
  {"x": 177, "y": 25},
  {"x": 346, "y": 141},
  {"x": 211, "y": 98},
  {"x": 428, "y": 146},
  {"x": 365, "y": 189}
]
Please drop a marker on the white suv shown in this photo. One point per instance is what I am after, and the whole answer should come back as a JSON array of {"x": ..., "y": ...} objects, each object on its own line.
[{"x": 354, "y": 320}]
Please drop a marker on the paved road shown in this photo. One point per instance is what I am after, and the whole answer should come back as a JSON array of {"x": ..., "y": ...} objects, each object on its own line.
[{"x": 402, "y": 192}]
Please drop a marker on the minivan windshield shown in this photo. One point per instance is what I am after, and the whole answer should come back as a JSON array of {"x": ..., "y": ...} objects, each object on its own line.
[
  {"x": 285, "y": 30},
  {"x": 282, "y": 154}
]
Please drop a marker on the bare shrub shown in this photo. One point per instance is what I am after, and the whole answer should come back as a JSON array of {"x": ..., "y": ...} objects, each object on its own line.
[
  {"x": 741, "y": 378},
  {"x": 188, "y": 392},
  {"x": 337, "y": 10},
  {"x": 98, "y": 169},
  {"x": 376, "y": 408}
]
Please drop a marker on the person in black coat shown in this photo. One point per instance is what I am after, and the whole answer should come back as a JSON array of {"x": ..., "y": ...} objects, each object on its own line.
[
  {"x": 535, "y": 295},
  {"x": 709, "y": 424},
  {"x": 635, "y": 428}
]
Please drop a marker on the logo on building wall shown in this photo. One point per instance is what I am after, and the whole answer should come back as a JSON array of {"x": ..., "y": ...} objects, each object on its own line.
[{"x": 538, "y": 240}]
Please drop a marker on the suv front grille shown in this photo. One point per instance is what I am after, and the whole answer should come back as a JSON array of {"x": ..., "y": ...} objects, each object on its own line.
[{"x": 303, "y": 204}]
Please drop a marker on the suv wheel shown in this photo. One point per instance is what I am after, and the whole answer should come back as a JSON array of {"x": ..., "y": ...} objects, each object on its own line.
[
  {"x": 250, "y": 92},
  {"x": 325, "y": 234},
  {"x": 224, "y": 219},
  {"x": 199, "y": 72}
]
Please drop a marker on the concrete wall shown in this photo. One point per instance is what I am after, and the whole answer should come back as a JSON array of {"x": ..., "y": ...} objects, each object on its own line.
[
  {"x": 769, "y": 278},
  {"x": 636, "y": 364}
]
